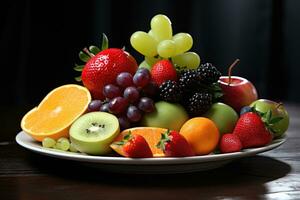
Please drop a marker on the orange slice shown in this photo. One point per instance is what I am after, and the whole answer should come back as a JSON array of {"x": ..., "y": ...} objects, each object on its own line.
[
  {"x": 151, "y": 134},
  {"x": 57, "y": 111}
]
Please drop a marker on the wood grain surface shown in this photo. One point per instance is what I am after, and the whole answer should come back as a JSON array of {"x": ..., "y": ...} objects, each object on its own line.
[{"x": 271, "y": 175}]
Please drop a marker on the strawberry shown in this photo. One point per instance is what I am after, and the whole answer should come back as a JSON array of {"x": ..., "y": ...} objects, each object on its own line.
[
  {"x": 135, "y": 146},
  {"x": 174, "y": 145},
  {"x": 162, "y": 71},
  {"x": 230, "y": 143},
  {"x": 103, "y": 68},
  {"x": 253, "y": 131}
]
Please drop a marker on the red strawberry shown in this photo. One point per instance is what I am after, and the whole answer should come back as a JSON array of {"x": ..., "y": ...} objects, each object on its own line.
[
  {"x": 252, "y": 131},
  {"x": 162, "y": 71},
  {"x": 174, "y": 145},
  {"x": 135, "y": 146},
  {"x": 103, "y": 68},
  {"x": 230, "y": 143}
]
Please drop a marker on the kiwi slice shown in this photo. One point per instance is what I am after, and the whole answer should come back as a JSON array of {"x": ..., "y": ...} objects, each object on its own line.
[{"x": 92, "y": 133}]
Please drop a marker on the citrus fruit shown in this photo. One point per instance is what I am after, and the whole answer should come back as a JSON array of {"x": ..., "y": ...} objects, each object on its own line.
[
  {"x": 57, "y": 111},
  {"x": 202, "y": 134},
  {"x": 151, "y": 134}
]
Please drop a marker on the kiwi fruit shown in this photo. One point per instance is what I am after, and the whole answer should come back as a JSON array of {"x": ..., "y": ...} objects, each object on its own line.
[{"x": 92, "y": 133}]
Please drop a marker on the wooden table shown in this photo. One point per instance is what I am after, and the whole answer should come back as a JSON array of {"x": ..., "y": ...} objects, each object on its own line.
[{"x": 271, "y": 175}]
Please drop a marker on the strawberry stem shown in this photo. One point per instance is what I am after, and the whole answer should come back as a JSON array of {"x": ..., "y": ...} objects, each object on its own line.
[
  {"x": 230, "y": 69},
  {"x": 88, "y": 52}
]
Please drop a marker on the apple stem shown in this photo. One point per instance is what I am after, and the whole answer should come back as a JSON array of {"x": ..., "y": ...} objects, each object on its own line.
[
  {"x": 88, "y": 52},
  {"x": 230, "y": 69},
  {"x": 279, "y": 104}
]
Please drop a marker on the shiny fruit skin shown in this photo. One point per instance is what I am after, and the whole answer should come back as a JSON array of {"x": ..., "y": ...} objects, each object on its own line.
[
  {"x": 137, "y": 147},
  {"x": 230, "y": 143},
  {"x": 278, "y": 110},
  {"x": 202, "y": 134},
  {"x": 161, "y": 27},
  {"x": 103, "y": 68},
  {"x": 223, "y": 116},
  {"x": 163, "y": 70},
  {"x": 239, "y": 93},
  {"x": 175, "y": 145},
  {"x": 143, "y": 43},
  {"x": 252, "y": 131}
]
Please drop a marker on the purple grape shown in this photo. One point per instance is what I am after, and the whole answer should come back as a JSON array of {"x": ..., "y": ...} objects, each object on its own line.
[
  {"x": 111, "y": 91},
  {"x": 104, "y": 108},
  {"x": 131, "y": 94},
  {"x": 143, "y": 70},
  {"x": 124, "y": 79},
  {"x": 150, "y": 89},
  {"x": 94, "y": 105},
  {"x": 141, "y": 78},
  {"x": 124, "y": 122},
  {"x": 117, "y": 105},
  {"x": 134, "y": 114},
  {"x": 146, "y": 104}
]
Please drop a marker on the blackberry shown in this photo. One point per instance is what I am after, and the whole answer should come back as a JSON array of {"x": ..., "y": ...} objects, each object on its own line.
[
  {"x": 208, "y": 73},
  {"x": 188, "y": 79},
  {"x": 199, "y": 103},
  {"x": 170, "y": 91}
]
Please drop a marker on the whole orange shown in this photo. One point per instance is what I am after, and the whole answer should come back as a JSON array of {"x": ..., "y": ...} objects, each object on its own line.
[{"x": 202, "y": 134}]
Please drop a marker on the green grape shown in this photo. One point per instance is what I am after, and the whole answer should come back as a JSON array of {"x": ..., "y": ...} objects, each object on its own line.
[
  {"x": 152, "y": 60},
  {"x": 166, "y": 48},
  {"x": 183, "y": 41},
  {"x": 144, "y": 43},
  {"x": 48, "y": 142},
  {"x": 190, "y": 60},
  {"x": 161, "y": 27},
  {"x": 146, "y": 65},
  {"x": 63, "y": 144},
  {"x": 72, "y": 148},
  {"x": 150, "y": 32}
]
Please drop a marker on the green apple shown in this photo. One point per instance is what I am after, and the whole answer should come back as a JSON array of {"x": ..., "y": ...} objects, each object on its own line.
[
  {"x": 167, "y": 115},
  {"x": 92, "y": 133},
  {"x": 223, "y": 116},
  {"x": 278, "y": 110}
]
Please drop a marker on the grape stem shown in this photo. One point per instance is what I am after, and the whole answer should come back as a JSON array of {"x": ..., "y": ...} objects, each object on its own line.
[
  {"x": 88, "y": 52},
  {"x": 230, "y": 70},
  {"x": 279, "y": 104}
]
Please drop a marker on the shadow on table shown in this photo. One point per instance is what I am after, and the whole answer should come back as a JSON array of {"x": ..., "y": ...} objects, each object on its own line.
[{"x": 246, "y": 176}]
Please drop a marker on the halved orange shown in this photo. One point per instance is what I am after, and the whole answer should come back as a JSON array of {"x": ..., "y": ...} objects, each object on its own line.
[
  {"x": 57, "y": 111},
  {"x": 151, "y": 134}
]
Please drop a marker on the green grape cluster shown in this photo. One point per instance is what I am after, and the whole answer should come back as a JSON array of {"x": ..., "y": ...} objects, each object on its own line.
[
  {"x": 62, "y": 144},
  {"x": 160, "y": 43}
]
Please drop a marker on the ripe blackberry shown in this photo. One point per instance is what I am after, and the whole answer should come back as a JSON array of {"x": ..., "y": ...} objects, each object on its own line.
[
  {"x": 188, "y": 79},
  {"x": 170, "y": 91},
  {"x": 199, "y": 103},
  {"x": 208, "y": 73}
]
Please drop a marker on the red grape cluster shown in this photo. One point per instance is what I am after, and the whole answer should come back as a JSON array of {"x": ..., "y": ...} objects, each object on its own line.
[{"x": 128, "y": 98}]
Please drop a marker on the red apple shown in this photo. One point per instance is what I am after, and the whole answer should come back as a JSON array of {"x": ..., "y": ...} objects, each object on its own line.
[{"x": 238, "y": 93}]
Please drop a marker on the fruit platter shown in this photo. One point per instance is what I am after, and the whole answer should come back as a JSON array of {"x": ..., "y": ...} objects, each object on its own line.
[{"x": 168, "y": 113}]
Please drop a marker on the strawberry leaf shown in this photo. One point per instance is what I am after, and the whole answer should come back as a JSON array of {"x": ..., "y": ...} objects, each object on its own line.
[
  {"x": 78, "y": 68},
  {"x": 104, "y": 44},
  {"x": 83, "y": 56},
  {"x": 275, "y": 120},
  {"x": 94, "y": 50},
  {"x": 120, "y": 143},
  {"x": 78, "y": 78},
  {"x": 163, "y": 140},
  {"x": 269, "y": 115}
]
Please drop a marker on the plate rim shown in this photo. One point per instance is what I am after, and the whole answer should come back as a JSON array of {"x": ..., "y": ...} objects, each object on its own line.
[{"x": 142, "y": 161}]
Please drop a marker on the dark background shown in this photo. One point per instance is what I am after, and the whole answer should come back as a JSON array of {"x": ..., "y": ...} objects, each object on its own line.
[{"x": 40, "y": 40}]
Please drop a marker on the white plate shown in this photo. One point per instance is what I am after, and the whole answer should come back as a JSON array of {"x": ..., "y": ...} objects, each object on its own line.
[{"x": 146, "y": 165}]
